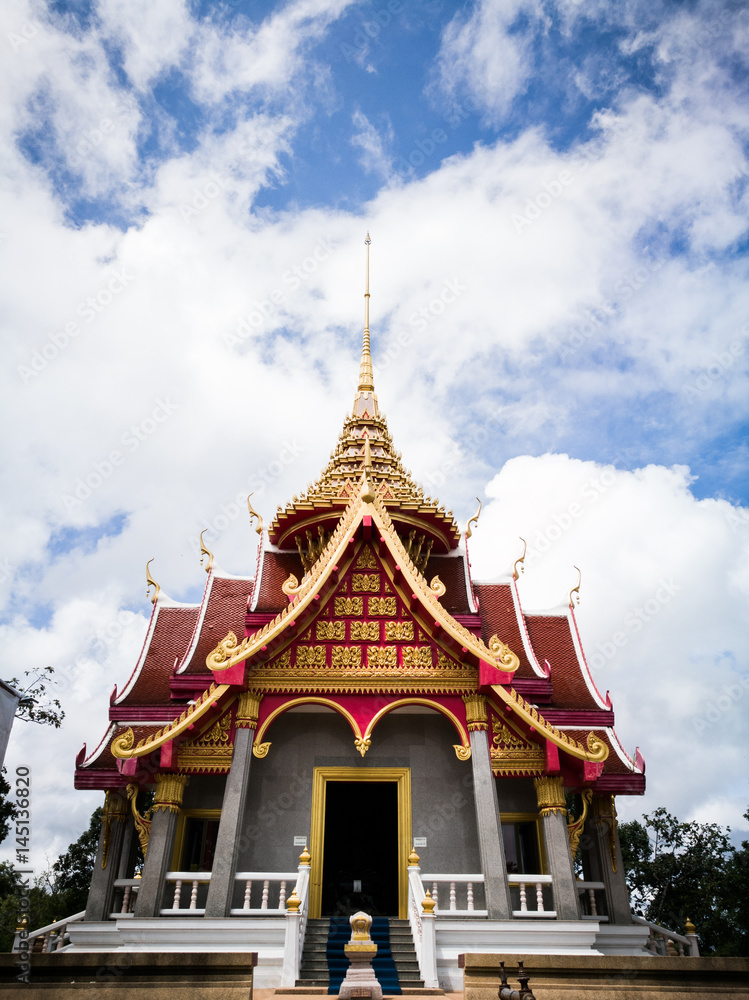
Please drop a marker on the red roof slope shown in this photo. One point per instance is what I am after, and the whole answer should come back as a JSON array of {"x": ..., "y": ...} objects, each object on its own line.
[
  {"x": 172, "y": 630},
  {"x": 552, "y": 640},
  {"x": 224, "y": 612},
  {"x": 275, "y": 570},
  {"x": 499, "y": 617}
]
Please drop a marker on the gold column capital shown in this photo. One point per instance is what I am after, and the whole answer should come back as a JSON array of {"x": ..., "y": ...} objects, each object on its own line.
[
  {"x": 248, "y": 709},
  {"x": 550, "y": 795},
  {"x": 169, "y": 791},
  {"x": 115, "y": 806},
  {"x": 476, "y": 717}
]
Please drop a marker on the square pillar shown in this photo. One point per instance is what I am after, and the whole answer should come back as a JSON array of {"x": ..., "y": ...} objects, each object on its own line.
[
  {"x": 551, "y": 805},
  {"x": 169, "y": 791},
  {"x": 491, "y": 845},
  {"x": 114, "y": 819},
  {"x": 229, "y": 840},
  {"x": 606, "y": 858}
]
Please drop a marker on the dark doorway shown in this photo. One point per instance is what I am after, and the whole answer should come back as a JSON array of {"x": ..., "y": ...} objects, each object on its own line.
[{"x": 361, "y": 846}]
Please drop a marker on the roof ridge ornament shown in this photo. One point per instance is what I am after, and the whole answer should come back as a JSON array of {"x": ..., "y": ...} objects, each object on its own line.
[
  {"x": 254, "y": 514},
  {"x": 205, "y": 552},
  {"x": 520, "y": 562},
  {"x": 473, "y": 520},
  {"x": 152, "y": 583},
  {"x": 366, "y": 375},
  {"x": 576, "y": 588}
]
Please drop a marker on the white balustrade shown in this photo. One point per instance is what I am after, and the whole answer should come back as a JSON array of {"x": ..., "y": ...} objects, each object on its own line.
[
  {"x": 590, "y": 901},
  {"x": 459, "y": 887},
  {"x": 194, "y": 880},
  {"x": 662, "y": 941},
  {"x": 422, "y": 924},
  {"x": 537, "y": 882},
  {"x": 271, "y": 887},
  {"x": 296, "y": 928},
  {"x": 129, "y": 887},
  {"x": 54, "y": 937}
]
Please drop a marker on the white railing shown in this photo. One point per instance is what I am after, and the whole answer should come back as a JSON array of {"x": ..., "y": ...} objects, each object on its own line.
[
  {"x": 183, "y": 883},
  {"x": 52, "y": 937},
  {"x": 454, "y": 889},
  {"x": 531, "y": 887},
  {"x": 591, "y": 910},
  {"x": 423, "y": 928},
  {"x": 668, "y": 943},
  {"x": 296, "y": 928},
  {"x": 270, "y": 890},
  {"x": 124, "y": 903}
]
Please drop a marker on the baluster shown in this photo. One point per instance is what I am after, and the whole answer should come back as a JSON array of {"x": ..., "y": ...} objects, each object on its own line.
[
  {"x": 177, "y": 895},
  {"x": 539, "y": 897},
  {"x": 282, "y": 896},
  {"x": 453, "y": 905},
  {"x": 264, "y": 900},
  {"x": 592, "y": 898},
  {"x": 469, "y": 893},
  {"x": 435, "y": 895},
  {"x": 247, "y": 894},
  {"x": 651, "y": 941},
  {"x": 681, "y": 950},
  {"x": 125, "y": 899},
  {"x": 523, "y": 901},
  {"x": 194, "y": 896},
  {"x": 60, "y": 937}
]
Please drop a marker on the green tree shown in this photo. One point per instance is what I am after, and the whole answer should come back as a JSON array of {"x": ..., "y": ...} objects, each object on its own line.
[
  {"x": 678, "y": 871},
  {"x": 7, "y": 809},
  {"x": 67, "y": 881},
  {"x": 38, "y": 705}
]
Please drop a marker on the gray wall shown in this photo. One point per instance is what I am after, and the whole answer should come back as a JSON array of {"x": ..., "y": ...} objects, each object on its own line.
[{"x": 280, "y": 794}]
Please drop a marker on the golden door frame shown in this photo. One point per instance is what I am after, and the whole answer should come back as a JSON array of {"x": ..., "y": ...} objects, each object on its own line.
[{"x": 320, "y": 779}]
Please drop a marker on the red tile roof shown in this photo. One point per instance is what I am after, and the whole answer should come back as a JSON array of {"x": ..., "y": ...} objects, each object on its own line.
[
  {"x": 552, "y": 640},
  {"x": 275, "y": 570},
  {"x": 499, "y": 617},
  {"x": 169, "y": 639},
  {"x": 452, "y": 572},
  {"x": 224, "y": 612}
]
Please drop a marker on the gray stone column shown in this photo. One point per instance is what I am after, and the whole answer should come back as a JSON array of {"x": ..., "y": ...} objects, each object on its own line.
[
  {"x": 491, "y": 845},
  {"x": 221, "y": 888},
  {"x": 108, "y": 857},
  {"x": 169, "y": 791},
  {"x": 606, "y": 858},
  {"x": 551, "y": 804}
]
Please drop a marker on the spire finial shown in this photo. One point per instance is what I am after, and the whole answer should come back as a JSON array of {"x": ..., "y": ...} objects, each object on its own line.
[{"x": 366, "y": 377}]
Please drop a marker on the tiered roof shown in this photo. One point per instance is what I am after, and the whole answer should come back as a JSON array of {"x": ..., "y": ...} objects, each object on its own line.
[{"x": 363, "y": 513}]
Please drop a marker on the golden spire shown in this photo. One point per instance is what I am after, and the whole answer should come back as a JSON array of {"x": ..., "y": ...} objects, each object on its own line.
[{"x": 366, "y": 377}]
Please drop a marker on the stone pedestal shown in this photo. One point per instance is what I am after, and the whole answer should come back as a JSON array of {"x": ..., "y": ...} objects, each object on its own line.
[{"x": 360, "y": 980}]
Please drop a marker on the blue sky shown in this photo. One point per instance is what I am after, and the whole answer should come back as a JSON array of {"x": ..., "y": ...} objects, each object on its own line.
[{"x": 558, "y": 197}]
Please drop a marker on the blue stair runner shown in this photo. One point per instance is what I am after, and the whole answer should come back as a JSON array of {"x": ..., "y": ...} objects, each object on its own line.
[{"x": 383, "y": 964}]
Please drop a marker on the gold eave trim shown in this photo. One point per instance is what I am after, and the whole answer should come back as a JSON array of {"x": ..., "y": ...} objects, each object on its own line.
[
  {"x": 448, "y": 541},
  {"x": 230, "y": 652},
  {"x": 122, "y": 746},
  {"x": 597, "y": 751}
]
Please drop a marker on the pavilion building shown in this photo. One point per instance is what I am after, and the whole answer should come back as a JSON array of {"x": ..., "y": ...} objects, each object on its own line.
[{"x": 360, "y": 725}]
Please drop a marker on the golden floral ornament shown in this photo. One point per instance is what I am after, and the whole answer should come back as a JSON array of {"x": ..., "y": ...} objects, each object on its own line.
[
  {"x": 503, "y": 654},
  {"x": 550, "y": 795},
  {"x": 575, "y": 826},
  {"x": 475, "y": 711},
  {"x": 170, "y": 789},
  {"x": 362, "y": 744},
  {"x": 437, "y": 587},
  {"x": 220, "y": 658},
  {"x": 260, "y": 749},
  {"x": 462, "y": 752},
  {"x": 248, "y": 709},
  {"x": 290, "y": 586}
]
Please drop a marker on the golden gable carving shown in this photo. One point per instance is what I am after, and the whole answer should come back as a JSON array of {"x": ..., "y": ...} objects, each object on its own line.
[
  {"x": 310, "y": 656},
  {"x": 366, "y": 631},
  {"x": 379, "y": 657},
  {"x": 417, "y": 656},
  {"x": 346, "y": 656},
  {"x": 332, "y": 630},
  {"x": 366, "y": 559},
  {"x": 382, "y": 606},
  {"x": 348, "y": 606},
  {"x": 399, "y": 630},
  {"x": 365, "y": 582}
]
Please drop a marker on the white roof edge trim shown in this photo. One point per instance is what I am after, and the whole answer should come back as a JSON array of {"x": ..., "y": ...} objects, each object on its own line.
[
  {"x": 588, "y": 677},
  {"x": 143, "y": 653},
  {"x": 529, "y": 651},
  {"x": 621, "y": 752},
  {"x": 104, "y": 742}
]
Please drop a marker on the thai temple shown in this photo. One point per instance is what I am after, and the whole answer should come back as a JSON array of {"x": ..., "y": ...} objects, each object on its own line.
[{"x": 357, "y": 724}]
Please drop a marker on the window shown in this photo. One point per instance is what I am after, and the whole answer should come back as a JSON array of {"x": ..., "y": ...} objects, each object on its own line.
[
  {"x": 523, "y": 847},
  {"x": 195, "y": 844}
]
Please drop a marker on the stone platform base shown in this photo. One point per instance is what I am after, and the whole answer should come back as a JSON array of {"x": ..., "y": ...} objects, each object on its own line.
[
  {"x": 603, "y": 977},
  {"x": 196, "y": 976}
]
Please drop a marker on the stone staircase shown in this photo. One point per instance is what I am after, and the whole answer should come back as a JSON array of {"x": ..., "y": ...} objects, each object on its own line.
[{"x": 314, "y": 972}]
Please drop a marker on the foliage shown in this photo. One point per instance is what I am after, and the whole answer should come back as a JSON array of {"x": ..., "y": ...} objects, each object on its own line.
[
  {"x": 59, "y": 892},
  {"x": 39, "y": 706},
  {"x": 678, "y": 871},
  {"x": 7, "y": 809}
]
